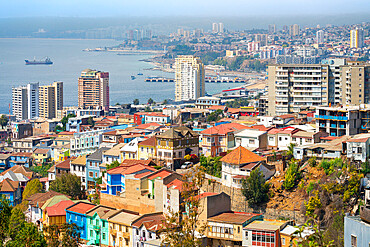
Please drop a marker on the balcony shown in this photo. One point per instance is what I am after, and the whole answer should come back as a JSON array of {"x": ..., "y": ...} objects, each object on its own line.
[{"x": 327, "y": 117}]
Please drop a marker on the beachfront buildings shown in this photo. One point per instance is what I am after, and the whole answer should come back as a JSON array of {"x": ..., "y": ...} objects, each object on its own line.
[
  {"x": 25, "y": 101},
  {"x": 189, "y": 78},
  {"x": 93, "y": 89},
  {"x": 50, "y": 100}
]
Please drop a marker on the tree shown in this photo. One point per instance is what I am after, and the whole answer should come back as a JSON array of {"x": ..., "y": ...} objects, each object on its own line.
[
  {"x": 215, "y": 116},
  {"x": 68, "y": 184},
  {"x": 70, "y": 235},
  {"x": 254, "y": 188},
  {"x": 290, "y": 151},
  {"x": 150, "y": 101},
  {"x": 58, "y": 129},
  {"x": 165, "y": 102},
  {"x": 292, "y": 176},
  {"x": 113, "y": 165},
  {"x": 42, "y": 169},
  {"x": 64, "y": 120},
  {"x": 34, "y": 186},
  {"x": 3, "y": 121},
  {"x": 90, "y": 121},
  {"x": 136, "y": 101},
  {"x": 16, "y": 222},
  {"x": 28, "y": 236},
  {"x": 180, "y": 227},
  {"x": 5, "y": 213},
  {"x": 212, "y": 165}
]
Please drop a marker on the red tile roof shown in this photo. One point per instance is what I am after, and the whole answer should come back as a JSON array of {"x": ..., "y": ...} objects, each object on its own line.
[
  {"x": 233, "y": 110},
  {"x": 160, "y": 174},
  {"x": 286, "y": 130},
  {"x": 241, "y": 155},
  {"x": 140, "y": 175},
  {"x": 8, "y": 185},
  {"x": 81, "y": 207},
  {"x": 330, "y": 138},
  {"x": 125, "y": 170},
  {"x": 66, "y": 133},
  {"x": 148, "y": 142},
  {"x": 206, "y": 194},
  {"x": 217, "y": 107},
  {"x": 177, "y": 184},
  {"x": 152, "y": 222},
  {"x": 59, "y": 209},
  {"x": 223, "y": 129},
  {"x": 64, "y": 164},
  {"x": 20, "y": 169},
  {"x": 147, "y": 125}
]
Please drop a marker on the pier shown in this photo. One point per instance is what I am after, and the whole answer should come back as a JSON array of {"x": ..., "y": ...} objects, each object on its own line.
[{"x": 161, "y": 79}]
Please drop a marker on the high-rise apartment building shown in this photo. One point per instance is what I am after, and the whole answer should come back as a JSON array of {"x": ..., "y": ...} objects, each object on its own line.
[
  {"x": 357, "y": 38},
  {"x": 25, "y": 101},
  {"x": 93, "y": 89},
  {"x": 221, "y": 27},
  {"x": 272, "y": 28},
  {"x": 320, "y": 37},
  {"x": 50, "y": 100},
  {"x": 262, "y": 38},
  {"x": 292, "y": 86},
  {"x": 189, "y": 78},
  {"x": 294, "y": 30},
  {"x": 215, "y": 27}
]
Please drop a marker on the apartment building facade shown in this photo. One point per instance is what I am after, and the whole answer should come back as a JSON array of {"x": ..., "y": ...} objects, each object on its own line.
[
  {"x": 93, "y": 89},
  {"x": 189, "y": 78},
  {"x": 50, "y": 100},
  {"x": 25, "y": 101},
  {"x": 292, "y": 86}
]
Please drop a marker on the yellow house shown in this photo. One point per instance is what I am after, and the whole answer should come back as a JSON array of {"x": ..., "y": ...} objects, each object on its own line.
[
  {"x": 51, "y": 202},
  {"x": 56, "y": 214},
  {"x": 120, "y": 229},
  {"x": 147, "y": 149},
  {"x": 41, "y": 155}
]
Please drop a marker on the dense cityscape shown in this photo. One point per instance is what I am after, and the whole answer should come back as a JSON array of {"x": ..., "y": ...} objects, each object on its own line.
[{"x": 280, "y": 158}]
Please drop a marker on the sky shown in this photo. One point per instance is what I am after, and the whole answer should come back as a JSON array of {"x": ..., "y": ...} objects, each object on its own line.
[{"x": 158, "y": 8}]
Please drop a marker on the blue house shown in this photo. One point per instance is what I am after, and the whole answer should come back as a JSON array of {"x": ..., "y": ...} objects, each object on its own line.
[
  {"x": 115, "y": 177},
  {"x": 77, "y": 214},
  {"x": 357, "y": 228},
  {"x": 21, "y": 158},
  {"x": 94, "y": 166},
  {"x": 12, "y": 191},
  {"x": 4, "y": 162}
]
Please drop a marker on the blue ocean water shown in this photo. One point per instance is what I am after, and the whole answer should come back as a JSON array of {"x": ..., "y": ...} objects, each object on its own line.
[{"x": 70, "y": 59}]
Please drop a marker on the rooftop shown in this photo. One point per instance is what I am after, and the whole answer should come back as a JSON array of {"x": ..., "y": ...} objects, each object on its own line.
[
  {"x": 59, "y": 208},
  {"x": 241, "y": 155},
  {"x": 223, "y": 129},
  {"x": 266, "y": 225},
  {"x": 232, "y": 217},
  {"x": 81, "y": 207}
]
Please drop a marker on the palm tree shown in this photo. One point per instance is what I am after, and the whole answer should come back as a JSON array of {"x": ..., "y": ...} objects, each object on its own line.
[
  {"x": 3, "y": 121},
  {"x": 290, "y": 149}
]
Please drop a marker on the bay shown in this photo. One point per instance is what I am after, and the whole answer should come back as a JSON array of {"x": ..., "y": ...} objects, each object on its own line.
[{"x": 70, "y": 59}]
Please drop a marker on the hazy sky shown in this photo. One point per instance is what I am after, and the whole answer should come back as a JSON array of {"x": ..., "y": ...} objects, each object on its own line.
[{"x": 115, "y": 8}]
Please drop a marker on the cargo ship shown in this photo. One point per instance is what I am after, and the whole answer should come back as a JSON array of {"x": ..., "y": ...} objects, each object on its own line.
[{"x": 36, "y": 62}]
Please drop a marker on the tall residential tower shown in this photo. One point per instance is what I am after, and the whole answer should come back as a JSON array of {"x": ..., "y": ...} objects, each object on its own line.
[
  {"x": 189, "y": 78},
  {"x": 50, "y": 100},
  {"x": 25, "y": 101},
  {"x": 93, "y": 89},
  {"x": 357, "y": 38}
]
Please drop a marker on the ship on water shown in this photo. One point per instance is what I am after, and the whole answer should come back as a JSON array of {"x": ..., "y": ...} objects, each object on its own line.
[{"x": 46, "y": 61}]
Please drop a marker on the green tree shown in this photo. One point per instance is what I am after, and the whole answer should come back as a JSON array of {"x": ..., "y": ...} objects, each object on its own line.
[
  {"x": 150, "y": 101},
  {"x": 255, "y": 189},
  {"x": 90, "y": 121},
  {"x": 3, "y": 121},
  {"x": 292, "y": 176},
  {"x": 136, "y": 101},
  {"x": 165, "y": 102},
  {"x": 365, "y": 167},
  {"x": 68, "y": 184},
  {"x": 215, "y": 116},
  {"x": 64, "y": 120},
  {"x": 290, "y": 151},
  {"x": 180, "y": 227},
  {"x": 5, "y": 214},
  {"x": 212, "y": 165},
  {"x": 113, "y": 165},
  {"x": 28, "y": 236},
  {"x": 42, "y": 169},
  {"x": 16, "y": 222},
  {"x": 58, "y": 129},
  {"x": 70, "y": 235},
  {"x": 52, "y": 235},
  {"x": 34, "y": 186}
]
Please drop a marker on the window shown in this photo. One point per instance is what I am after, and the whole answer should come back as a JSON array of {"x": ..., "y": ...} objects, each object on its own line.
[
  {"x": 91, "y": 174},
  {"x": 353, "y": 241},
  {"x": 91, "y": 232},
  {"x": 279, "y": 138},
  {"x": 283, "y": 241},
  {"x": 359, "y": 150},
  {"x": 104, "y": 236},
  {"x": 238, "y": 229},
  {"x": 225, "y": 177},
  {"x": 251, "y": 141}
]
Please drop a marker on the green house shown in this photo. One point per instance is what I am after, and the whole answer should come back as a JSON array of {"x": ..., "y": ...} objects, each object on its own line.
[{"x": 97, "y": 225}]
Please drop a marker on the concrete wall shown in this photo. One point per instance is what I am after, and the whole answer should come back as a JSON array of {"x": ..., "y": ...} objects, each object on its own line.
[
  {"x": 353, "y": 226},
  {"x": 239, "y": 204}
]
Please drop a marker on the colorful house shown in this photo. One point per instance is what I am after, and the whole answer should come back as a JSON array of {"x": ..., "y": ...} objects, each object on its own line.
[
  {"x": 11, "y": 190},
  {"x": 93, "y": 169},
  {"x": 56, "y": 214},
  {"x": 41, "y": 155},
  {"x": 115, "y": 178},
  {"x": 22, "y": 158},
  {"x": 147, "y": 149},
  {"x": 51, "y": 202},
  {"x": 97, "y": 225},
  {"x": 120, "y": 229},
  {"x": 147, "y": 228},
  {"x": 77, "y": 214},
  {"x": 220, "y": 138}
]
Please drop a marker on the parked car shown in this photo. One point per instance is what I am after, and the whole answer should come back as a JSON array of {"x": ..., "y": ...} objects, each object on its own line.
[{"x": 187, "y": 165}]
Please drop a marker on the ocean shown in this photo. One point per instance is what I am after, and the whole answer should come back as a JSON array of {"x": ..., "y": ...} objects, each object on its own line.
[{"x": 70, "y": 59}]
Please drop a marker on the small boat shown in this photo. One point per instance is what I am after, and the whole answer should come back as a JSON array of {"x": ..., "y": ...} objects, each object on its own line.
[
  {"x": 133, "y": 77},
  {"x": 46, "y": 61},
  {"x": 139, "y": 73}
]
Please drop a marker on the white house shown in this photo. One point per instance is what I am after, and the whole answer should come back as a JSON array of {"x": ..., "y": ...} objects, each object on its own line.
[
  {"x": 78, "y": 168},
  {"x": 146, "y": 228},
  {"x": 251, "y": 139},
  {"x": 265, "y": 120},
  {"x": 358, "y": 147},
  {"x": 239, "y": 163}
]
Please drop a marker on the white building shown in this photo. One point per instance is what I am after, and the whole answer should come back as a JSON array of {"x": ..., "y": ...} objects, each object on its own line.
[
  {"x": 358, "y": 147},
  {"x": 251, "y": 139},
  {"x": 189, "y": 78},
  {"x": 320, "y": 37},
  {"x": 238, "y": 165},
  {"x": 86, "y": 142},
  {"x": 78, "y": 168},
  {"x": 25, "y": 101}
]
